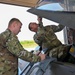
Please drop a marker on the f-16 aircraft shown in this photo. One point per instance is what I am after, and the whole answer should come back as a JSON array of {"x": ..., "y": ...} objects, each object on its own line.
[
  {"x": 60, "y": 11},
  {"x": 64, "y": 14}
]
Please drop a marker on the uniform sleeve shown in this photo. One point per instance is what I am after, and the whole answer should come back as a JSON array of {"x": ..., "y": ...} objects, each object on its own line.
[
  {"x": 57, "y": 28},
  {"x": 41, "y": 24},
  {"x": 14, "y": 46},
  {"x": 37, "y": 40}
]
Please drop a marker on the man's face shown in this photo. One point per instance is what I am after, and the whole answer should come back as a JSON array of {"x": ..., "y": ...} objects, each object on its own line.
[
  {"x": 34, "y": 27},
  {"x": 17, "y": 28}
]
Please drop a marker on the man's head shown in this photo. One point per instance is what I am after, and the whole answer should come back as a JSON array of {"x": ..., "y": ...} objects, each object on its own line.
[
  {"x": 15, "y": 25},
  {"x": 33, "y": 26}
]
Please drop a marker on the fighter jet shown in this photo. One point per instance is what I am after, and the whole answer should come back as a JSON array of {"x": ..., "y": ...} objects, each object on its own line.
[
  {"x": 60, "y": 11},
  {"x": 57, "y": 11},
  {"x": 66, "y": 17}
]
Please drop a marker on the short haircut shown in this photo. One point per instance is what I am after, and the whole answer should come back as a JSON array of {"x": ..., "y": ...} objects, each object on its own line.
[
  {"x": 30, "y": 24},
  {"x": 14, "y": 19}
]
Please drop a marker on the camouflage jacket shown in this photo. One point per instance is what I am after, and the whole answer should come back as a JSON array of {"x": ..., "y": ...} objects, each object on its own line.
[
  {"x": 10, "y": 51},
  {"x": 45, "y": 36}
]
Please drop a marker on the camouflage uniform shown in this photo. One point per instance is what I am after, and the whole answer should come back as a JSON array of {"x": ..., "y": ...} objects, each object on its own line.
[
  {"x": 10, "y": 50},
  {"x": 46, "y": 38}
]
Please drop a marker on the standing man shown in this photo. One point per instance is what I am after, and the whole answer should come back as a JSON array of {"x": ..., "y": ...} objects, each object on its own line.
[{"x": 11, "y": 49}]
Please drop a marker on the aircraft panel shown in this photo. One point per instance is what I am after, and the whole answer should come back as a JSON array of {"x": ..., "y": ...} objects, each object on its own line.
[{"x": 65, "y": 18}]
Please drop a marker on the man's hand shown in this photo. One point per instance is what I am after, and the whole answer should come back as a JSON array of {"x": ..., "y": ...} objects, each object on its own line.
[
  {"x": 39, "y": 19},
  {"x": 43, "y": 56},
  {"x": 38, "y": 53}
]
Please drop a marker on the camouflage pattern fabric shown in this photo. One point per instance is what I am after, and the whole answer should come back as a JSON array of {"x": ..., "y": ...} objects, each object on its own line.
[
  {"x": 10, "y": 50},
  {"x": 46, "y": 38}
]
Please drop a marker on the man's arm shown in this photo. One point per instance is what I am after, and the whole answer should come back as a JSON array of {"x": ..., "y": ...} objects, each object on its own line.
[
  {"x": 14, "y": 46},
  {"x": 57, "y": 28},
  {"x": 40, "y": 22}
]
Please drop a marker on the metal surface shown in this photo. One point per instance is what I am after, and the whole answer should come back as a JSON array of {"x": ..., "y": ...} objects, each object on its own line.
[
  {"x": 65, "y": 18},
  {"x": 55, "y": 68}
]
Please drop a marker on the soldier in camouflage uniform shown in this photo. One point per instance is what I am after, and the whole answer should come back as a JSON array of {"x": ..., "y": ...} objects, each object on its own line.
[
  {"x": 11, "y": 49},
  {"x": 45, "y": 37}
]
